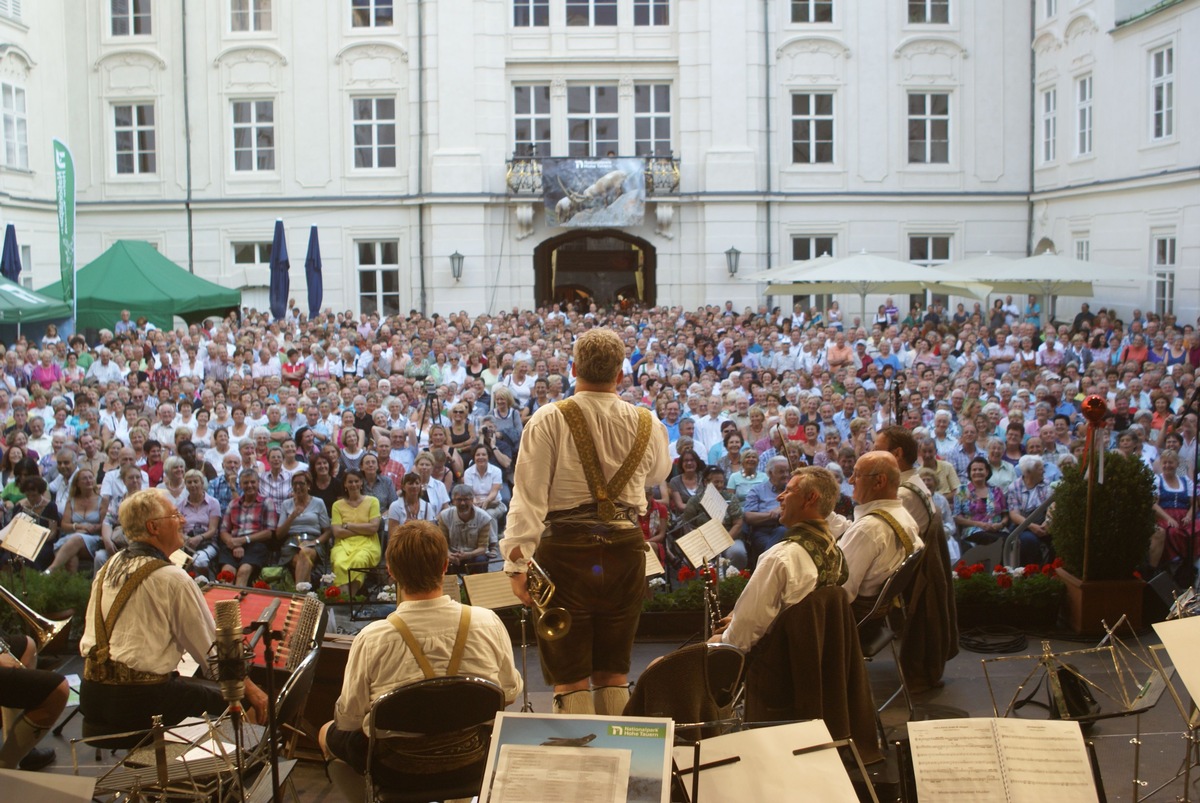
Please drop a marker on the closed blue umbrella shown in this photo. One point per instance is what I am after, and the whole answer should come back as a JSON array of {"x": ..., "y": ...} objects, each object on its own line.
[
  {"x": 10, "y": 257},
  {"x": 278, "y": 295},
  {"x": 312, "y": 274}
]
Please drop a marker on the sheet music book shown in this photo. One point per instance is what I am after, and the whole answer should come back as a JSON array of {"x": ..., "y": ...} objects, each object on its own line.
[
  {"x": 1001, "y": 760},
  {"x": 450, "y": 586},
  {"x": 766, "y": 769},
  {"x": 653, "y": 564},
  {"x": 490, "y": 590},
  {"x": 714, "y": 504},
  {"x": 704, "y": 543},
  {"x": 23, "y": 536}
]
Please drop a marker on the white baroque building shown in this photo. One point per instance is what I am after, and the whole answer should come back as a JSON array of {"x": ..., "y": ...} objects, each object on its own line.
[{"x": 411, "y": 130}]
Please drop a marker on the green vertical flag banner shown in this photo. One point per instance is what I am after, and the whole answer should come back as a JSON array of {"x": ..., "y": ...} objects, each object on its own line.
[{"x": 64, "y": 190}]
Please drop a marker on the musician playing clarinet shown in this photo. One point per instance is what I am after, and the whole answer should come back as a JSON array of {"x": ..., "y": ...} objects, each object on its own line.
[
  {"x": 576, "y": 500},
  {"x": 143, "y": 615}
]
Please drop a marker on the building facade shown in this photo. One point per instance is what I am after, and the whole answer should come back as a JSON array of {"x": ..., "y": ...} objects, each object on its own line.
[{"x": 409, "y": 131}]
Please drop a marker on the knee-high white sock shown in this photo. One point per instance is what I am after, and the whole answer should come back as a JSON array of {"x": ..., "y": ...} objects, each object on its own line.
[
  {"x": 574, "y": 702},
  {"x": 348, "y": 782},
  {"x": 610, "y": 700},
  {"x": 18, "y": 741},
  {"x": 10, "y": 717}
]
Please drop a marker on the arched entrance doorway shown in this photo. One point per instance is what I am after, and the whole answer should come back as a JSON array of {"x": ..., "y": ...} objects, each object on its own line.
[{"x": 597, "y": 265}]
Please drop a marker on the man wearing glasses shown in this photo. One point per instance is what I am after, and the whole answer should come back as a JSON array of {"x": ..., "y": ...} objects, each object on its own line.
[
  {"x": 150, "y": 613},
  {"x": 882, "y": 534}
]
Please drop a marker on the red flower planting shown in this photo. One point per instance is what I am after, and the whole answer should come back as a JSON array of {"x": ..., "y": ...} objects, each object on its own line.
[
  {"x": 1004, "y": 580},
  {"x": 686, "y": 573},
  {"x": 333, "y": 592},
  {"x": 261, "y": 584},
  {"x": 226, "y": 577}
]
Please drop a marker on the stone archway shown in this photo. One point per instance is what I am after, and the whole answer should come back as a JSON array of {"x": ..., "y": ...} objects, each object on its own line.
[{"x": 597, "y": 265}]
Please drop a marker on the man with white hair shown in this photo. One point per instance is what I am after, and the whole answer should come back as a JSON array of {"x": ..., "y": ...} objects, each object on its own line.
[
  {"x": 104, "y": 370},
  {"x": 1025, "y": 496},
  {"x": 708, "y": 426}
]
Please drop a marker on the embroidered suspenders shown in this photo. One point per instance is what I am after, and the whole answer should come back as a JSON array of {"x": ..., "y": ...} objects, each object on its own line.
[{"x": 604, "y": 493}]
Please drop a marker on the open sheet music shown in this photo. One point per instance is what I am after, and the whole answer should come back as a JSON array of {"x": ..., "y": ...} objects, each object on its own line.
[
  {"x": 653, "y": 564},
  {"x": 23, "y": 536},
  {"x": 704, "y": 543},
  {"x": 714, "y": 504},
  {"x": 490, "y": 590},
  {"x": 1002, "y": 760}
]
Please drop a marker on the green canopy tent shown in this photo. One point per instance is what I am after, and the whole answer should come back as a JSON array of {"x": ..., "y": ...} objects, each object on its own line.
[
  {"x": 133, "y": 275},
  {"x": 18, "y": 305}
]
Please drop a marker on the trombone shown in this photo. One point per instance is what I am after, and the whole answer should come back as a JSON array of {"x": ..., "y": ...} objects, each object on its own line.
[
  {"x": 552, "y": 623},
  {"x": 42, "y": 630}
]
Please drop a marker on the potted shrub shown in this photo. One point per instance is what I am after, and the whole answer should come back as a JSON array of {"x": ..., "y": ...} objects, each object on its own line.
[{"x": 1122, "y": 522}]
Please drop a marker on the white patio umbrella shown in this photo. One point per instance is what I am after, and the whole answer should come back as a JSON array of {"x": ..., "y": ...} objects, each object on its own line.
[
  {"x": 1048, "y": 275},
  {"x": 865, "y": 273},
  {"x": 978, "y": 268}
]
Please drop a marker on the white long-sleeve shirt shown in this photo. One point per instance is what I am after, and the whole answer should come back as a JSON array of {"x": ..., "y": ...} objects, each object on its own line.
[
  {"x": 785, "y": 574},
  {"x": 549, "y": 474},
  {"x": 872, "y": 550}
]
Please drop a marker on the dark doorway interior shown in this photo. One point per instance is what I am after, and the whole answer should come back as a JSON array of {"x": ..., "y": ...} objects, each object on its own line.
[{"x": 600, "y": 265}]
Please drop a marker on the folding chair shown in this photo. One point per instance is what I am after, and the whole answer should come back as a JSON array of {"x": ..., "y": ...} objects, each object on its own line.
[
  {"x": 429, "y": 740},
  {"x": 884, "y": 623}
]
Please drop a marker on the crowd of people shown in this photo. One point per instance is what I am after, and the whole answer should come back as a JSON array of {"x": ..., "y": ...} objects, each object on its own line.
[
  {"x": 310, "y": 444},
  {"x": 304, "y": 443}
]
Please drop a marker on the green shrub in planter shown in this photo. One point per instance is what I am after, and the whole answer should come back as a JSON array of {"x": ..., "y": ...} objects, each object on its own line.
[{"x": 1122, "y": 519}]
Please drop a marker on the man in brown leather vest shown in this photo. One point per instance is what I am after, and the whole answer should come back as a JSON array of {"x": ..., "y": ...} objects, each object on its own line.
[{"x": 579, "y": 488}]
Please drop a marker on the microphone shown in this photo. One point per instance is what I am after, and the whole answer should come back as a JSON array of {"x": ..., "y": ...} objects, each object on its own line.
[{"x": 230, "y": 660}]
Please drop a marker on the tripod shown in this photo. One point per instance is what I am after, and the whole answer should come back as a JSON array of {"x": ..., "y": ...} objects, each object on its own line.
[{"x": 431, "y": 403}]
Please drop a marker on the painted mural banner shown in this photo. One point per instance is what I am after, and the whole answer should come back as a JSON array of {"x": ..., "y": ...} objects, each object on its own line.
[{"x": 591, "y": 193}]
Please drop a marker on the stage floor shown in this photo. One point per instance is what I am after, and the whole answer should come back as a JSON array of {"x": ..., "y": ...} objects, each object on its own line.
[{"x": 965, "y": 693}]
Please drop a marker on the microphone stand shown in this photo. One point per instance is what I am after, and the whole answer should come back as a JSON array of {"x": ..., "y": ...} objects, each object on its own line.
[{"x": 262, "y": 628}]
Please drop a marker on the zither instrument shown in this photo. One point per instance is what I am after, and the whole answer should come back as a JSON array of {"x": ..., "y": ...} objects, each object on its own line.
[
  {"x": 552, "y": 623},
  {"x": 42, "y": 630}
]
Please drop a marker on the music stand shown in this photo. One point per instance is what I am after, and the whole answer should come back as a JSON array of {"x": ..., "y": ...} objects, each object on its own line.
[{"x": 492, "y": 590}]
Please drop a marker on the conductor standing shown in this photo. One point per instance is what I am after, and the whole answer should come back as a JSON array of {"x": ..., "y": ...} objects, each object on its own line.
[{"x": 578, "y": 491}]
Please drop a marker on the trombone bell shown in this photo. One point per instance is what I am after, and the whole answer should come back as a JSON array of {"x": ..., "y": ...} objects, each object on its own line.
[{"x": 42, "y": 630}]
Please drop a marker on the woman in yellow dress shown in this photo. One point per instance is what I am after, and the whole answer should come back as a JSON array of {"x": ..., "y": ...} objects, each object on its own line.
[{"x": 355, "y": 520}]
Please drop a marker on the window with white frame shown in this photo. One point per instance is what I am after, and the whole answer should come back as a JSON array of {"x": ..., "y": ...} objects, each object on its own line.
[
  {"x": 592, "y": 123},
  {"x": 651, "y": 12},
  {"x": 253, "y": 135},
  {"x": 1083, "y": 116},
  {"x": 652, "y": 119},
  {"x": 812, "y": 128},
  {"x": 1083, "y": 249},
  {"x": 811, "y": 246},
  {"x": 531, "y": 13},
  {"x": 371, "y": 13},
  {"x": 929, "y": 249},
  {"x": 249, "y": 15},
  {"x": 252, "y": 254},
  {"x": 1164, "y": 275},
  {"x": 928, "y": 128},
  {"x": 15, "y": 125},
  {"x": 812, "y": 10},
  {"x": 379, "y": 277},
  {"x": 374, "y": 132},
  {"x": 11, "y": 9},
  {"x": 1049, "y": 125},
  {"x": 591, "y": 12},
  {"x": 130, "y": 17},
  {"x": 935, "y": 12},
  {"x": 1162, "y": 93},
  {"x": 531, "y": 120},
  {"x": 26, "y": 276},
  {"x": 133, "y": 138}
]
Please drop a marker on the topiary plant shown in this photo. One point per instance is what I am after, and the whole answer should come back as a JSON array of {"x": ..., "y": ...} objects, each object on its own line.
[{"x": 1122, "y": 519}]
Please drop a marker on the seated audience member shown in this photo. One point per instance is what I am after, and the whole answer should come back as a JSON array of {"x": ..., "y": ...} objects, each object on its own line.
[
  {"x": 469, "y": 530},
  {"x": 761, "y": 511},
  {"x": 1024, "y": 498},
  {"x": 429, "y": 635},
  {"x": 695, "y": 515},
  {"x": 246, "y": 529}
]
